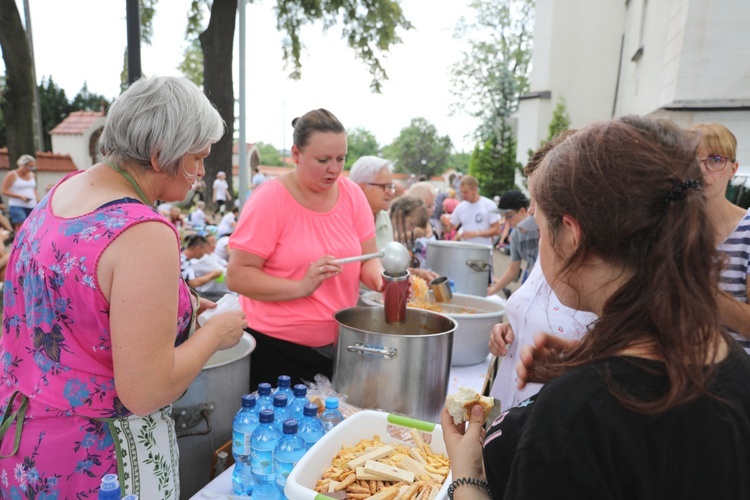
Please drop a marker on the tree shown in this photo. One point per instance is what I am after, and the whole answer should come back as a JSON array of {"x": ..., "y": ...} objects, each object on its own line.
[
  {"x": 55, "y": 107},
  {"x": 420, "y": 150},
  {"x": 369, "y": 27},
  {"x": 84, "y": 100},
  {"x": 494, "y": 73},
  {"x": 269, "y": 155},
  {"x": 494, "y": 163},
  {"x": 560, "y": 119},
  {"x": 460, "y": 161},
  {"x": 17, "y": 101},
  {"x": 360, "y": 142}
]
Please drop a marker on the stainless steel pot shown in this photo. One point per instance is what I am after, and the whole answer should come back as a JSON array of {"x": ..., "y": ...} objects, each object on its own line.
[
  {"x": 467, "y": 264},
  {"x": 203, "y": 415},
  {"x": 474, "y": 316},
  {"x": 400, "y": 368}
]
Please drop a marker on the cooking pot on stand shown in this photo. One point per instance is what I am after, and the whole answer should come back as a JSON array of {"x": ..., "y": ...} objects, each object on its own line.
[
  {"x": 400, "y": 368},
  {"x": 467, "y": 264}
]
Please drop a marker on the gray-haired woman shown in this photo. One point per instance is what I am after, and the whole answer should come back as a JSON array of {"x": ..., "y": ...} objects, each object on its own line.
[
  {"x": 375, "y": 176},
  {"x": 103, "y": 334}
]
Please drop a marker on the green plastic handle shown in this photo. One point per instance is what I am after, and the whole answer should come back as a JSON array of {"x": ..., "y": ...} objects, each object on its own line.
[{"x": 420, "y": 425}]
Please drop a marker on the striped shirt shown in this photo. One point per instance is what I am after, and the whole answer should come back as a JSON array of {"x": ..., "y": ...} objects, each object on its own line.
[{"x": 733, "y": 279}]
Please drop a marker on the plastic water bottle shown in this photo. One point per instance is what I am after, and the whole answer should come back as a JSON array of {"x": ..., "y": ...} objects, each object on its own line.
[
  {"x": 288, "y": 452},
  {"x": 280, "y": 412},
  {"x": 284, "y": 386},
  {"x": 265, "y": 400},
  {"x": 245, "y": 422},
  {"x": 331, "y": 416},
  {"x": 297, "y": 405},
  {"x": 110, "y": 488},
  {"x": 310, "y": 427},
  {"x": 262, "y": 445},
  {"x": 130, "y": 497}
]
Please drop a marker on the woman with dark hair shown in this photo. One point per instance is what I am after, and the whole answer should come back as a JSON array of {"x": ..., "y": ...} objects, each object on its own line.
[
  {"x": 284, "y": 249},
  {"x": 654, "y": 401}
]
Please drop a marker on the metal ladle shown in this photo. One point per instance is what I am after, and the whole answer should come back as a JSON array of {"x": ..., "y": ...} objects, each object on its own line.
[{"x": 394, "y": 256}]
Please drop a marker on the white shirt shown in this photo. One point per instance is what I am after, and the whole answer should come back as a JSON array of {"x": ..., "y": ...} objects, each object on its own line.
[
  {"x": 25, "y": 188},
  {"x": 533, "y": 308},
  {"x": 475, "y": 216},
  {"x": 221, "y": 248},
  {"x": 198, "y": 218},
  {"x": 226, "y": 225},
  {"x": 221, "y": 188}
]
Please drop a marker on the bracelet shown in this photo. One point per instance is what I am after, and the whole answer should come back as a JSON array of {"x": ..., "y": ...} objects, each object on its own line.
[{"x": 479, "y": 483}]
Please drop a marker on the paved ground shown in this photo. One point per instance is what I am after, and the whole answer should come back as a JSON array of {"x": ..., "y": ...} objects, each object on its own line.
[{"x": 500, "y": 263}]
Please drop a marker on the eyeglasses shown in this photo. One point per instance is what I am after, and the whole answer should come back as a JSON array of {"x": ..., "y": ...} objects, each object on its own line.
[
  {"x": 387, "y": 188},
  {"x": 715, "y": 163}
]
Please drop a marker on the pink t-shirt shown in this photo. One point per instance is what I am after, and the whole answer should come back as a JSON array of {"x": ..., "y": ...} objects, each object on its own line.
[{"x": 274, "y": 226}]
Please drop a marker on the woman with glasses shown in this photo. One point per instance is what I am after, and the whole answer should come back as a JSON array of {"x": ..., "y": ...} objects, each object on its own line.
[
  {"x": 375, "y": 176},
  {"x": 284, "y": 249},
  {"x": 731, "y": 225}
]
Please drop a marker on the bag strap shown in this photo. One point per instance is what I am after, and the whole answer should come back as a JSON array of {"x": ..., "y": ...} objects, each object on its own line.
[{"x": 17, "y": 416}]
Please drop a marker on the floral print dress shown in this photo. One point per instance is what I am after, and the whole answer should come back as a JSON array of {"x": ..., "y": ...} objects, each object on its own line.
[{"x": 55, "y": 350}]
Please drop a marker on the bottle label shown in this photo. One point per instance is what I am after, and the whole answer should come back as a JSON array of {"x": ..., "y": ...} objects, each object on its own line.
[
  {"x": 261, "y": 462},
  {"x": 283, "y": 468},
  {"x": 241, "y": 443}
]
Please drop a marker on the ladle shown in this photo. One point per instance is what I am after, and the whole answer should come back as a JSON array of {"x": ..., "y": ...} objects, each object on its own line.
[{"x": 394, "y": 256}]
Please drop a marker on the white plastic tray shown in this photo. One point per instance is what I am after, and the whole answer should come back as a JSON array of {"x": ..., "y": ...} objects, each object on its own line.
[{"x": 362, "y": 425}]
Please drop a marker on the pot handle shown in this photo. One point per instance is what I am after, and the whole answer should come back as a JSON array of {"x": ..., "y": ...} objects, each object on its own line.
[
  {"x": 478, "y": 265},
  {"x": 386, "y": 352}
]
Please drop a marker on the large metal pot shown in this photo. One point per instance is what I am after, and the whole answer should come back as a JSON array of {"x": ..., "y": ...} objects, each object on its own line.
[
  {"x": 401, "y": 368},
  {"x": 204, "y": 414},
  {"x": 474, "y": 316},
  {"x": 467, "y": 264}
]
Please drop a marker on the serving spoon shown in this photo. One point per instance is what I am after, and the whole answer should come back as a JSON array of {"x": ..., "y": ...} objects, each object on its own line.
[{"x": 394, "y": 256}]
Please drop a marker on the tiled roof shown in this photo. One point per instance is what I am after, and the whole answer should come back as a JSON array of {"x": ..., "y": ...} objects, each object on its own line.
[
  {"x": 77, "y": 122},
  {"x": 45, "y": 162}
]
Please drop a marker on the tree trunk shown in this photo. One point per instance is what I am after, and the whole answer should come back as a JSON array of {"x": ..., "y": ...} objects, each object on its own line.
[
  {"x": 217, "y": 43},
  {"x": 18, "y": 98}
]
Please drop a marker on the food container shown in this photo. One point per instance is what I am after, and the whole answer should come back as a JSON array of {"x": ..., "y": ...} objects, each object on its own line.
[
  {"x": 362, "y": 425},
  {"x": 475, "y": 317},
  {"x": 400, "y": 368},
  {"x": 467, "y": 264}
]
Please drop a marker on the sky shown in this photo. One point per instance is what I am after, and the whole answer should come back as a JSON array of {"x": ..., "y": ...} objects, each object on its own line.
[{"x": 77, "y": 41}]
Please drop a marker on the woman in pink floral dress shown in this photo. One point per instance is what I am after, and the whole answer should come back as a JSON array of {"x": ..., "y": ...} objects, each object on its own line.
[{"x": 96, "y": 337}]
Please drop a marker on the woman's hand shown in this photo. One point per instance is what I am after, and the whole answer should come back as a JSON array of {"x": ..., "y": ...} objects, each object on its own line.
[
  {"x": 317, "y": 273},
  {"x": 204, "y": 304},
  {"x": 227, "y": 326},
  {"x": 464, "y": 445},
  {"x": 425, "y": 274},
  {"x": 545, "y": 346},
  {"x": 500, "y": 337}
]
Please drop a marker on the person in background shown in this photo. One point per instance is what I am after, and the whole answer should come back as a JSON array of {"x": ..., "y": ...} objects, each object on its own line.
[
  {"x": 19, "y": 187},
  {"x": 100, "y": 332},
  {"x": 196, "y": 246},
  {"x": 177, "y": 218},
  {"x": 375, "y": 176},
  {"x": 532, "y": 309},
  {"x": 228, "y": 222},
  {"x": 221, "y": 192},
  {"x": 524, "y": 242},
  {"x": 197, "y": 218},
  {"x": 427, "y": 193},
  {"x": 731, "y": 226},
  {"x": 474, "y": 214},
  {"x": 222, "y": 249},
  {"x": 411, "y": 222},
  {"x": 284, "y": 249},
  {"x": 205, "y": 264},
  {"x": 613, "y": 416},
  {"x": 449, "y": 205},
  {"x": 258, "y": 178},
  {"x": 400, "y": 189}
]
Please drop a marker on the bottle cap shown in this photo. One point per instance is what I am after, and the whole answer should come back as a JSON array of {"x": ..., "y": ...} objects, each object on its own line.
[
  {"x": 310, "y": 410},
  {"x": 266, "y": 416},
  {"x": 300, "y": 390},
  {"x": 264, "y": 389},
  {"x": 332, "y": 402},
  {"x": 290, "y": 426},
  {"x": 249, "y": 400},
  {"x": 110, "y": 482},
  {"x": 284, "y": 381},
  {"x": 279, "y": 400}
]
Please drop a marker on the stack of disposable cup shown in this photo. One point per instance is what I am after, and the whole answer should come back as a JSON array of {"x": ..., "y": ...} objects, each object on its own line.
[{"x": 227, "y": 303}]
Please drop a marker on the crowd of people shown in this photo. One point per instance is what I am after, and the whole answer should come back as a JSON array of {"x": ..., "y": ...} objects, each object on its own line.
[{"x": 625, "y": 336}]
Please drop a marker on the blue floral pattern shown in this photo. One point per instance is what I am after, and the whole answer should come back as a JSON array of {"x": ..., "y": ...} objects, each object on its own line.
[{"x": 55, "y": 349}]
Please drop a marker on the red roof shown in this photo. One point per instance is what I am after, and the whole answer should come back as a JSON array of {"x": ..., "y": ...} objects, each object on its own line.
[
  {"x": 45, "y": 162},
  {"x": 77, "y": 122}
]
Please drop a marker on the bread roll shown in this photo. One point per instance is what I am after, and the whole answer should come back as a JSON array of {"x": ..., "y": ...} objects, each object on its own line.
[{"x": 460, "y": 404}]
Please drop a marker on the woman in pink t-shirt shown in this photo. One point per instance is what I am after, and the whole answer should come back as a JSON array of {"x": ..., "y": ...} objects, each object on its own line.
[{"x": 283, "y": 251}]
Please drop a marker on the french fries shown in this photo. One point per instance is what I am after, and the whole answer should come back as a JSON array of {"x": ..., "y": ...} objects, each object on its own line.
[{"x": 372, "y": 470}]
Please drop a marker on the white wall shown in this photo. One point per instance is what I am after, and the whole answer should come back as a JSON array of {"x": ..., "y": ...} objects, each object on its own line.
[{"x": 74, "y": 145}]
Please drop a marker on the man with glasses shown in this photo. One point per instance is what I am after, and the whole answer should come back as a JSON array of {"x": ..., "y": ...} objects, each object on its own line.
[{"x": 524, "y": 240}]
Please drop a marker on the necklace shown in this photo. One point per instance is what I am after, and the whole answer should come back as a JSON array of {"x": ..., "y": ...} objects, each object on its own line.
[{"x": 130, "y": 180}]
